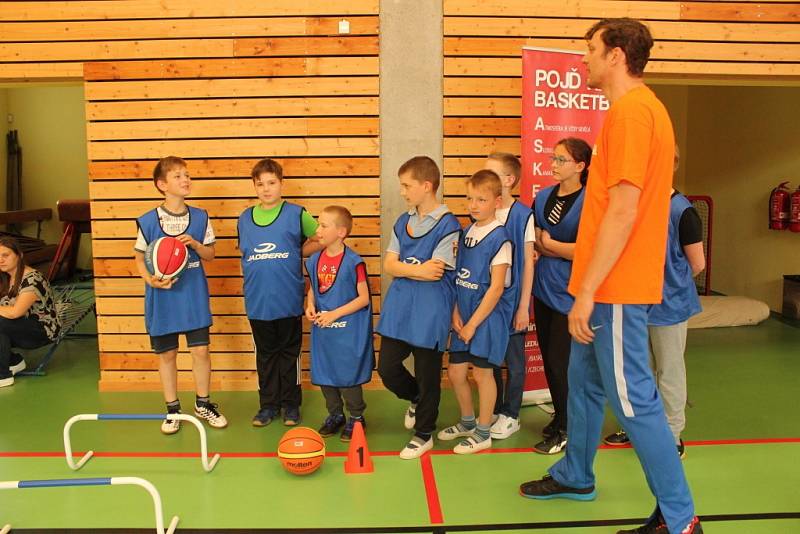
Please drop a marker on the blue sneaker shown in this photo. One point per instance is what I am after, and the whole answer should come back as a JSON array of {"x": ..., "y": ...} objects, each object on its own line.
[
  {"x": 331, "y": 425},
  {"x": 549, "y": 488},
  {"x": 291, "y": 416},
  {"x": 264, "y": 416},
  {"x": 347, "y": 432}
]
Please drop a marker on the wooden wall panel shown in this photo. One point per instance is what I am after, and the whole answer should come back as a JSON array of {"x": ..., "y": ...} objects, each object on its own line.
[
  {"x": 95, "y": 10},
  {"x": 237, "y": 87},
  {"x": 221, "y": 84},
  {"x": 188, "y": 28},
  {"x": 695, "y": 41}
]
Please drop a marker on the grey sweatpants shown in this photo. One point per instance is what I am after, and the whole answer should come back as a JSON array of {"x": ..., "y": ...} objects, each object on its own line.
[
  {"x": 667, "y": 346},
  {"x": 353, "y": 398}
]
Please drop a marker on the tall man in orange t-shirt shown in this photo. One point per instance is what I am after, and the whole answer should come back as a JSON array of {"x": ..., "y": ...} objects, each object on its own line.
[{"x": 617, "y": 274}]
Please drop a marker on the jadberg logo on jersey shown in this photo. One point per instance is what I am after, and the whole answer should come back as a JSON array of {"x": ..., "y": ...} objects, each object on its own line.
[
  {"x": 412, "y": 261},
  {"x": 335, "y": 324},
  {"x": 264, "y": 247},
  {"x": 463, "y": 276},
  {"x": 264, "y": 252}
]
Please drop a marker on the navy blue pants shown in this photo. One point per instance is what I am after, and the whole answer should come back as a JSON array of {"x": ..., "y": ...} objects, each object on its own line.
[
  {"x": 509, "y": 398},
  {"x": 25, "y": 333}
]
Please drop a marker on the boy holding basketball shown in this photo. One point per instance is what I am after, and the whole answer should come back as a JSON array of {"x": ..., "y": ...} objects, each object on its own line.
[
  {"x": 338, "y": 307},
  {"x": 416, "y": 311},
  {"x": 274, "y": 235},
  {"x": 485, "y": 301},
  {"x": 179, "y": 305}
]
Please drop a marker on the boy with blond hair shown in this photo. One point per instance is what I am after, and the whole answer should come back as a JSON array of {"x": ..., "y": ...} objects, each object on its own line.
[
  {"x": 415, "y": 317},
  {"x": 518, "y": 220},
  {"x": 338, "y": 307},
  {"x": 179, "y": 305},
  {"x": 483, "y": 312}
]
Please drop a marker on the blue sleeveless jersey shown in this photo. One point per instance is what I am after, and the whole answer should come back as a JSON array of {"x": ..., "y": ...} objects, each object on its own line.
[
  {"x": 272, "y": 264},
  {"x": 184, "y": 306},
  {"x": 342, "y": 354},
  {"x": 551, "y": 276},
  {"x": 679, "y": 297},
  {"x": 414, "y": 311},
  {"x": 473, "y": 280},
  {"x": 517, "y": 221}
]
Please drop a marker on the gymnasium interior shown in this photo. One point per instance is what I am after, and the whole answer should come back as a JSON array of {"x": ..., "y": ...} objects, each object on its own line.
[{"x": 341, "y": 93}]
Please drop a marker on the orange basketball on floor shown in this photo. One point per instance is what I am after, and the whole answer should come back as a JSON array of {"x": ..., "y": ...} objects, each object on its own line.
[{"x": 301, "y": 450}]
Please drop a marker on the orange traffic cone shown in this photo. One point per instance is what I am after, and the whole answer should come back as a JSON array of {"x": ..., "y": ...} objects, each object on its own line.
[{"x": 358, "y": 457}]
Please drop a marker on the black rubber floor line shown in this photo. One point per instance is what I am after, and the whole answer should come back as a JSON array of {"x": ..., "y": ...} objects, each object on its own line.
[{"x": 433, "y": 529}]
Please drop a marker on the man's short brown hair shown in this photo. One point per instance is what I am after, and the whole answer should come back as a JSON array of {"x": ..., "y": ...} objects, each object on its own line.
[
  {"x": 486, "y": 179},
  {"x": 510, "y": 163},
  {"x": 422, "y": 169},
  {"x": 342, "y": 216},
  {"x": 164, "y": 165},
  {"x": 631, "y": 36},
  {"x": 267, "y": 165}
]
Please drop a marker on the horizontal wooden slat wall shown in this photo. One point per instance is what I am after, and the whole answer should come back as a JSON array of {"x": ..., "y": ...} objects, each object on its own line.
[
  {"x": 221, "y": 84},
  {"x": 694, "y": 40}
]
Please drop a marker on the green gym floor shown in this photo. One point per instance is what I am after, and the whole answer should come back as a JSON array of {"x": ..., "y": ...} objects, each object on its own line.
[{"x": 742, "y": 436}]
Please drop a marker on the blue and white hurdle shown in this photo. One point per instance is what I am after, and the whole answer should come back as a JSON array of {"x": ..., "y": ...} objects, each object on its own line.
[
  {"x": 207, "y": 465},
  {"x": 113, "y": 481}
]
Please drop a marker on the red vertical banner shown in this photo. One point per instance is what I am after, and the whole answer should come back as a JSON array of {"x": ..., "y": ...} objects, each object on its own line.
[{"x": 555, "y": 104}]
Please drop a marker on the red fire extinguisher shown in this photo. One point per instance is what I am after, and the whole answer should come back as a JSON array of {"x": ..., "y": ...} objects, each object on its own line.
[
  {"x": 779, "y": 207},
  {"x": 794, "y": 211}
]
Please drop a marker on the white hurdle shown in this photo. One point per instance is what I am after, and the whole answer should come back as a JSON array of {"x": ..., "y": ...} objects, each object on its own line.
[
  {"x": 207, "y": 465},
  {"x": 114, "y": 481}
]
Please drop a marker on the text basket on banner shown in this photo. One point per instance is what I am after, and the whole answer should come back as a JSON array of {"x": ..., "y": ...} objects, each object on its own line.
[{"x": 555, "y": 104}]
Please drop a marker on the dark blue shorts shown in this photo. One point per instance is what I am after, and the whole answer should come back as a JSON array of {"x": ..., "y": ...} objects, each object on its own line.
[
  {"x": 168, "y": 342},
  {"x": 476, "y": 361}
]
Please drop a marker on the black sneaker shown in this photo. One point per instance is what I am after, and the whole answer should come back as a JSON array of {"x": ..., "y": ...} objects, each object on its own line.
[
  {"x": 617, "y": 439},
  {"x": 16, "y": 363},
  {"x": 681, "y": 450},
  {"x": 291, "y": 416},
  {"x": 657, "y": 525},
  {"x": 331, "y": 425},
  {"x": 549, "y": 488},
  {"x": 552, "y": 445},
  {"x": 264, "y": 416},
  {"x": 6, "y": 379},
  {"x": 550, "y": 429},
  {"x": 347, "y": 431}
]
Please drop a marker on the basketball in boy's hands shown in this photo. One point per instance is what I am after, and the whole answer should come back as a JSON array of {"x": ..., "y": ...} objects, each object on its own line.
[
  {"x": 166, "y": 258},
  {"x": 301, "y": 450}
]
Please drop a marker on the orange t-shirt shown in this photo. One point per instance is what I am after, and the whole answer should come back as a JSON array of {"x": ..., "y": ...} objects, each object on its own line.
[{"x": 637, "y": 145}]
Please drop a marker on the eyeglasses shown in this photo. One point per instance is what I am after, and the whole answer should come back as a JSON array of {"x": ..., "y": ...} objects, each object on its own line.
[{"x": 560, "y": 160}]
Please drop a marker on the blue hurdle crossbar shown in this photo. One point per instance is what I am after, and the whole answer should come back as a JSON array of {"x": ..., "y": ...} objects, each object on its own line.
[
  {"x": 207, "y": 465},
  {"x": 113, "y": 481}
]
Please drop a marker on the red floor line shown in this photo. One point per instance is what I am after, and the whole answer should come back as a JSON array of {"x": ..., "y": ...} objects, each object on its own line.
[
  {"x": 58, "y": 454},
  {"x": 431, "y": 493}
]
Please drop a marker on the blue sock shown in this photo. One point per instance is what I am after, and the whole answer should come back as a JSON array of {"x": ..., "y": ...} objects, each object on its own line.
[
  {"x": 481, "y": 433},
  {"x": 468, "y": 422}
]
